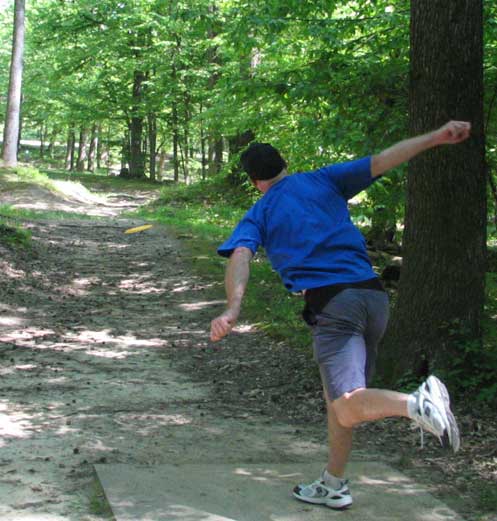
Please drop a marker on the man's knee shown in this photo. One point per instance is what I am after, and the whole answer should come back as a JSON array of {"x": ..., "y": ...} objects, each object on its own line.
[{"x": 346, "y": 409}]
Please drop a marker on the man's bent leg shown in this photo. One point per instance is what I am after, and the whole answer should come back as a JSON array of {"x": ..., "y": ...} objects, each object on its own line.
[
  {"x": 362, "y": 405},
  {"x": 428, "y": 407}
]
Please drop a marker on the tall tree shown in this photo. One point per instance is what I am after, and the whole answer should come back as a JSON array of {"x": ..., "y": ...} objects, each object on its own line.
[
  {"x": 441, "y": 290},
  {"x": 92, "y": 153},
  {"x": 71, "y": 141},
  {"x": 136, "y": 157},
  {"x": 82, "y": 150},
  {"x": 12, "y": 119}
]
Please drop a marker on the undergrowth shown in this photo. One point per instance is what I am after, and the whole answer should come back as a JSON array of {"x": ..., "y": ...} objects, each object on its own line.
[
  {"x": 100, "y": 180},
  {"x": 474, "y": 363},
  {"x": 19, "y": 214},
  {"x": 13, "y": 235},
  {"x": 22, "y": 177}
]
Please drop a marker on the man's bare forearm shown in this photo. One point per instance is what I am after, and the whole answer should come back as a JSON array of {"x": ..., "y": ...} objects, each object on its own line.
[
  {"x": 451, "y": 133},
  {"x": 237, "y": 276},
  {"x": 400, "y": 153}
]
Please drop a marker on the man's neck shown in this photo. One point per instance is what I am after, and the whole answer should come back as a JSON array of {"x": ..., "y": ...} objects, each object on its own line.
[{"x": 266, "y": 185}]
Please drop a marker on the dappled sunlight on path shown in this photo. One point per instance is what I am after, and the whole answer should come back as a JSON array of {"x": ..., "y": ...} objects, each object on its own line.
[{"x": 83, "y": 327}]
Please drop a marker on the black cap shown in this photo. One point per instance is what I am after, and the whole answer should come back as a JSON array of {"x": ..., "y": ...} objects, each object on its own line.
[{"x": 262, "y": 161}]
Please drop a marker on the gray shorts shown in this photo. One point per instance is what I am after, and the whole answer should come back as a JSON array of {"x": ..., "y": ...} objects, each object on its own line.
[{"x": 346, "y": 338}]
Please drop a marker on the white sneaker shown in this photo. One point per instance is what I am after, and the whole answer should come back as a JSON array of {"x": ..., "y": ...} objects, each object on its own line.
[
  {"x": 430, "y": 410},
  {"x": 320, "y": 493}
]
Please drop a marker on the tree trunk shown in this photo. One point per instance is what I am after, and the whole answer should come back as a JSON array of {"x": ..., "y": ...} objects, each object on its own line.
[
  {"x": 185, "y": 155},
  {"x": 175, "y": 144},
  {"x": 42, "y": 141},
  {"x": 215, "y": 156},
  {"x": 51, "y": 143},
  {"x": 20, "y": 126},
  {"x": 152, "y": 138},
  {"x": 213, "y": 140},
  {"x": 93, "y": 149},
  {"x": 106, "y": 154},
  {"x": 73, "y": 151},
  {"x": 203, "y": 153},
  {"x": 136, "y": 157},
  {"x": 125, "y": 156},
  {"x": 83, "y": 150},
  {"x": 441, "y": 290},
  {"x": 236, "y": 144},
  {"x": 100, "y": 148},
  {"x": 162, "y": 161},
  {"x": 71, "y": 138},
  {"x": 184, "y": 162},
  {"x": 12, "y": 119},
  {"x": 186, "y": 152}
]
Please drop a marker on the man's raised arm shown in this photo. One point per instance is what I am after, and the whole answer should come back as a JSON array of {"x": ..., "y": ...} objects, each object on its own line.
[
  {"x": 451, "y": 133},
  {"x": 236, "y": 278}
]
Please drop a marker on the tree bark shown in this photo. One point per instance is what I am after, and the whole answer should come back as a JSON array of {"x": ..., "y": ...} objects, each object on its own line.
[
  {"x": 236, "y": 144},
  {"x": 12, "y": 120},
  {"x": 82, "y": 150},
  {"x": 93, "y": 149},
  {"x": 203, "y": 152},
  {"x": 441, "y": 289},
  {"x": 136, "y": 157},
  {"x": 125, "y": 155},
  {"x": 162, "y": 162},
  {"x": 42, "y": 141},
  {"x": 100, "y": 148},
  {"x": 51, "y": 143},
  {"x": 20, "y": 126},
  {"x": 73, "y": 150},
  {"x": 175, "y": 144},
  {"x": 152, "y": 140},
  {"x": 69, "y": 162},
  {"x": 215, "y": 156},
  {"x": 186, "y": 153},
  {"x": 214, "y": 140}
]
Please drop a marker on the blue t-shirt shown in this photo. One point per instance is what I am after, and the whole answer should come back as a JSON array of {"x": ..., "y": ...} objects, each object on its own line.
[{"x": 304, "y": 225}]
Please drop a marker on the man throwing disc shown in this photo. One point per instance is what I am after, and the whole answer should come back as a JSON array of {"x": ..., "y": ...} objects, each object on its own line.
[{"x": 302, "y": 221}]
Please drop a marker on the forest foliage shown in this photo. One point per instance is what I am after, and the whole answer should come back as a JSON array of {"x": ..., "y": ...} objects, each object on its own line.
[
  {"x": 176, "y": 88},
  {"x": 321, "y": 80}
]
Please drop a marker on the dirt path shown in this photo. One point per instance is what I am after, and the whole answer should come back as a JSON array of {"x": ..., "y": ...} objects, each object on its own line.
[{"x": 91, "y": 329}]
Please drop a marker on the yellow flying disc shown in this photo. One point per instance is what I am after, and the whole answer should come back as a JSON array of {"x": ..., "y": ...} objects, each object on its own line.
[{"x": 139, "y": 228}]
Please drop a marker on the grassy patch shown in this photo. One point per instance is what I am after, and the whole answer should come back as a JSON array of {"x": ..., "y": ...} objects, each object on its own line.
[
  {"x": 101, "y": 181},
  {"x": 98, "y": 504},
  {"x": 488, "y": 497},
  {"x": 20, "y": 214},
  {"x": 24, "y": 175},
  {"x": 16, "y": 180},
  {"x": 13, "y": 235}
]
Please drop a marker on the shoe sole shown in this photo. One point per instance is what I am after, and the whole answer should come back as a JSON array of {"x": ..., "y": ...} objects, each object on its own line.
[
  {"x": 451, "y": 438},
  {"x": 337, "y": 505}
]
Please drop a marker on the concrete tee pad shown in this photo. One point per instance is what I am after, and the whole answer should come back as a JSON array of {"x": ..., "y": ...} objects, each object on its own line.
[{"x": 227, "y": 492}]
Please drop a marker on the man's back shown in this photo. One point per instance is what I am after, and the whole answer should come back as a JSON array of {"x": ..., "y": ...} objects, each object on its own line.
[{"x": 304, "y": 225}]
